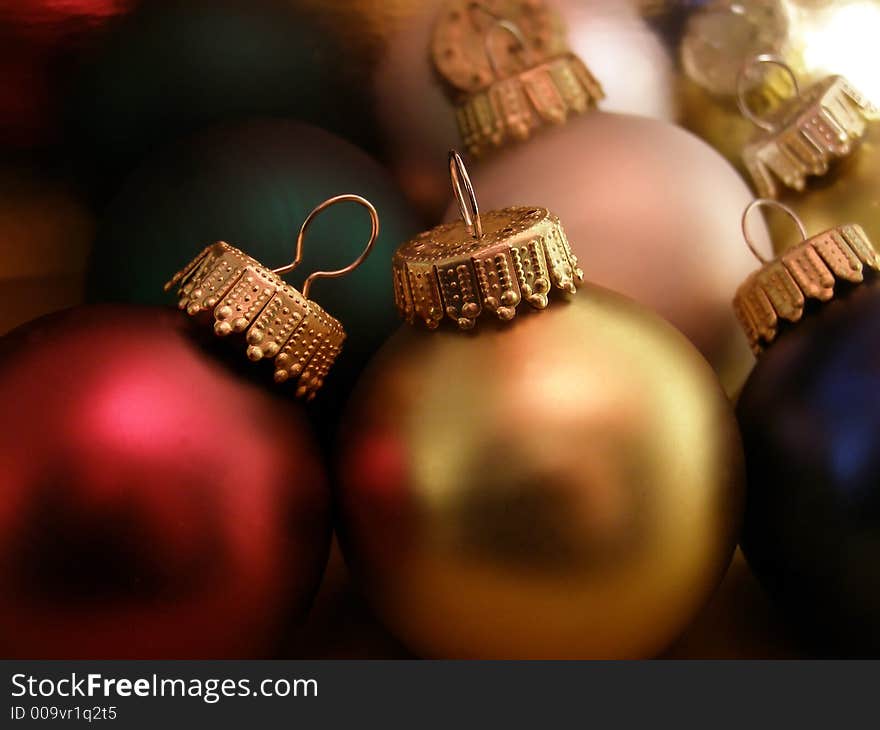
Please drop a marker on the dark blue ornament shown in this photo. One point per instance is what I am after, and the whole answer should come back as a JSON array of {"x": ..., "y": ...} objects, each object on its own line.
[{"x": 810, "y": 420}]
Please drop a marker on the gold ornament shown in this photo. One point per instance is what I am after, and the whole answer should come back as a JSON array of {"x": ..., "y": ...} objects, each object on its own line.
[
  {"x": 806, "y": 134},
  {"x": 276, "y": 319},
  {"x": 528, "y": 488},
  {"x": 822, "y": 146},
  {"x": 816, "y": 38},
  {"x": 779, "y": 290},
  {"x": 719, "y": 39}
]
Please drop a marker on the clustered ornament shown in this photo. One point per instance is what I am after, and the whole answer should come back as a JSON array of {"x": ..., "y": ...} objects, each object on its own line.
[{"x": 806, "y": 134}]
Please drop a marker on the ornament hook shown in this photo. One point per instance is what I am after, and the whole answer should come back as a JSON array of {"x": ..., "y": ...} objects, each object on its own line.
[
  {"x": 743, "y": 76},
  {"x": 500, "y": 23},
  {"x": 770, "y": 203},
  {"x": 374, "y": 234},
  {"x": 464, "y": 195}
]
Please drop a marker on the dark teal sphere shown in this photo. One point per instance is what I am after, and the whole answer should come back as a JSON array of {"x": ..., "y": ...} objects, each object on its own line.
[
  {"x": 252, "y": 185},
  {"x": 168, "y": 68}
]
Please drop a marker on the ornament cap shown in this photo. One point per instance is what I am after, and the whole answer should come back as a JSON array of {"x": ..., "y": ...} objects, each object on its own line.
[
  {"x": 277, "y": 320},
  {"x": 505, "y": 97},
  {"x": 806, "y": 134},
  {"x": 482, "y": 263},
  {"x": 781, "y": 288}
]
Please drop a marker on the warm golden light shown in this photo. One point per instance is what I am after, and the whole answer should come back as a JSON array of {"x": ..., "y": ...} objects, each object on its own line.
[{"x": 842, "y": 39}]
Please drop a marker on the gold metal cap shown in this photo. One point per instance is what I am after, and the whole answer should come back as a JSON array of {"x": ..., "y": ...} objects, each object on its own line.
[
  {"x": 502, "y": 93},
  {"x": 810, "y": 270},
  {"x": 277, "y": 320},
  {"x": 806, "y": 134},
  {"x": 482, "y": 263}
]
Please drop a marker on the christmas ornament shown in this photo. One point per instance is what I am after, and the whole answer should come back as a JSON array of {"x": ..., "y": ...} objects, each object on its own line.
[
  {"x": 254, "y": 184},
  {"x": 173, "y": 68},
  {"x": 801, "y": 151},
  {"x": 721, "y": 36},
  {"x": 154, "y": 504},
  {"x": 42, "y": 41},
  {"x": 278, "y": 321},
  {"x": 811, "y": 431},
  {"x": 524, "y": 490},
  {"x": 815, "y": 38},
  {"x": 389, "y": 46},
  {"x": 46, "y": 230},
  {"x": 644, "y": 202}
]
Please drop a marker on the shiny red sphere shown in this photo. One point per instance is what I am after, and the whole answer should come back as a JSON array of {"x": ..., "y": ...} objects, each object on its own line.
[{"x": 153, "y": 504}]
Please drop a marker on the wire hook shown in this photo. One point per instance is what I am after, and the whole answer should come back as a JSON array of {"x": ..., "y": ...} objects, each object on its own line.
[
  {"x": 767, "y": 202},
  {"x": 464, "y": 194},
  {"x": 500, "y": 23},
  {"x": 374, "y": 234},
  {"x": 743, "y": 76}
]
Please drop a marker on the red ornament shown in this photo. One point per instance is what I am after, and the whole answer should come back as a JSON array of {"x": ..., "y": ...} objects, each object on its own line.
[
  {"x": 41, "y": 40},
  {"x": 153, "y": 504}
]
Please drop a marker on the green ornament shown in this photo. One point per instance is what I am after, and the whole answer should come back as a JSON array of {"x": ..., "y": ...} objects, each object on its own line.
[
  {"x": 252, "y": 185},
  {"x": 167, "y": 69}
]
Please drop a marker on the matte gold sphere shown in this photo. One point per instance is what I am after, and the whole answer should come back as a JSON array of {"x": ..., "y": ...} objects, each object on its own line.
[
  {"x": 566, "y": 485},
  {"x": 650, "y": 210}
]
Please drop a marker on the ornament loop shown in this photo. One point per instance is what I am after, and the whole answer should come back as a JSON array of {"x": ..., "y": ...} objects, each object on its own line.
[
  {"x": 464, "y": 195},
  {"x": 500, "y": 23},
  {"x": 742, "y": 77},
  {"x": 768, "y": 202},
  {"x": 513, "y": 29},
  {"x": 374, "y": 234}
]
